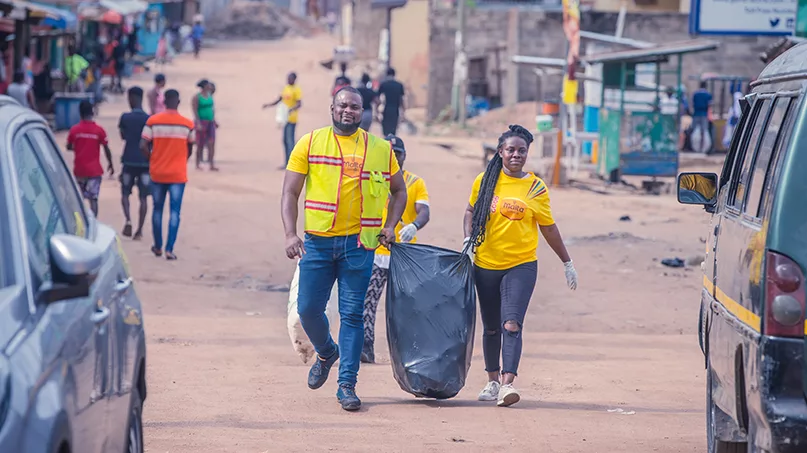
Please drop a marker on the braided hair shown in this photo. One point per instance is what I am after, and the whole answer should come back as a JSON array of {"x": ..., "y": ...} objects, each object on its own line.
[{"x": 488, "y": 185}]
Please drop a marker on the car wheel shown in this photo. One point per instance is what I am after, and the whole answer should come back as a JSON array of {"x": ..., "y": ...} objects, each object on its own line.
[
  {"x": 134, "y": 433},
  {"x": 713, "y": 444}
]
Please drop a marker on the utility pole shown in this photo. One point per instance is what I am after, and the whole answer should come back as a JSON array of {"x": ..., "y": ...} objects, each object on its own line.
[{"x": 460, "y": 66}]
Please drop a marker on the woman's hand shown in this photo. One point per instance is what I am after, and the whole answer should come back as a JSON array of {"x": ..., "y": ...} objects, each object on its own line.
[{"x": 571, "y": 275}]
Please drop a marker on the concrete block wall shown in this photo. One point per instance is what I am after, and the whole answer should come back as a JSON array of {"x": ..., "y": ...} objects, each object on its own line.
[{"x": 540, "y": 34}]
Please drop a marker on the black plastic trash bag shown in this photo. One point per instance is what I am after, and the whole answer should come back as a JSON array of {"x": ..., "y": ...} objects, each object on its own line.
[{"x": 431, "y": 316}]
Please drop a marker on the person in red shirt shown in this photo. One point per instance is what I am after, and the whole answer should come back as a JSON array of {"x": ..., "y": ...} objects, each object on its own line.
[{"x": 86, "y": 139}]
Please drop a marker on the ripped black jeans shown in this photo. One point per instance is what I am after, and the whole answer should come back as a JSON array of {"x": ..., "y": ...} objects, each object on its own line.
[{"x": 504, "y": 296}]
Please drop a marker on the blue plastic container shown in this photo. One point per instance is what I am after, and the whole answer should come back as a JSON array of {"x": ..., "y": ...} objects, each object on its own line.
[{"x": 66, "y": 108}]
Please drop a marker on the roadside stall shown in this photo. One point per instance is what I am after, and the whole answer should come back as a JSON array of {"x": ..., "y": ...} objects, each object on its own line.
[{"x": 635, "y": 137}]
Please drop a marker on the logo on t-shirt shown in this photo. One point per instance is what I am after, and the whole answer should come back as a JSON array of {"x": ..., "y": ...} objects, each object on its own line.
[
  {"x": 351, "y": 166},
  {"x": 513, "y": 208},
  {"x": 537, "y": 189}
]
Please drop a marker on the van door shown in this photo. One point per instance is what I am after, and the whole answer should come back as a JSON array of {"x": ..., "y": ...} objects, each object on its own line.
[
  {"x": 739, "y": 254},
  {"x": 708, "y": 292}
]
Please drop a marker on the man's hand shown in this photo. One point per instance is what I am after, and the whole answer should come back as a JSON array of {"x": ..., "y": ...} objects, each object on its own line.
[
  {"x": 111, "y": 170},
  {"x": 294, "y": 247},
  {"x": 386, "y": 237},
  {"x": 408, "y": 232}
]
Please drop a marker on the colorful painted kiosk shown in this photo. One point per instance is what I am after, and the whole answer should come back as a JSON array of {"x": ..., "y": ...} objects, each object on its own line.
[{"x": 635, "y": 137}]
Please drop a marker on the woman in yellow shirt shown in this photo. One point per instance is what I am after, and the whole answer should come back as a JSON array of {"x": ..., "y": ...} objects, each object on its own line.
[{"x": 504, "y": 235}]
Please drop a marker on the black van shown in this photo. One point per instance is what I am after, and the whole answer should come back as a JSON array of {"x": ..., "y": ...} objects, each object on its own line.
[{"x": 752, "y": 321}]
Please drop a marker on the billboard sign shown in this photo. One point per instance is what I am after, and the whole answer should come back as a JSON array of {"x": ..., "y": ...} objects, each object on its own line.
[{"x": 742, "y": 17}]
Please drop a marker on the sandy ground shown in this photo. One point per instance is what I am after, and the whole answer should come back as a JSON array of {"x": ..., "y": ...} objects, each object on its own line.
[{"x": 223, "y": 377}]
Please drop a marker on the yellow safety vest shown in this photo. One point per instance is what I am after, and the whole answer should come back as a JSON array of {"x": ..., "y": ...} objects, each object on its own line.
[{"x": 324, "y": 180}]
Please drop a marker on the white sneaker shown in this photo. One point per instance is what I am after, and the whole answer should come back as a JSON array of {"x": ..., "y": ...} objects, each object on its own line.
[
  {"x": 508, "y": 396},
  {"x": 490, "y": 392}
]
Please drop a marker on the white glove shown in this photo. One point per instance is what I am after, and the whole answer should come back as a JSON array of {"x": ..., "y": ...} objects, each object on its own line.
[
  {"x": 408, "y": 232},
  {"x": 470, "y": 251},
  {"x": 571, "y": 275}
]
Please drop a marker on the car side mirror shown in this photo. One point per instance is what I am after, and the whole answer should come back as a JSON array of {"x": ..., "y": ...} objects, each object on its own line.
[
  {"x": 698, "y": 188},
  {"x": 74, "y": 264}
]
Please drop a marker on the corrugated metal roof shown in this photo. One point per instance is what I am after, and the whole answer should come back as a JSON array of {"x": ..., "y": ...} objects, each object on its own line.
[{"x": 654, "y": 53}]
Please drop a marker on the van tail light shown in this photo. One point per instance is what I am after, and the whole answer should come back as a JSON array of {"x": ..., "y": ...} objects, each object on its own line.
[{"x": 784, "y": 297}]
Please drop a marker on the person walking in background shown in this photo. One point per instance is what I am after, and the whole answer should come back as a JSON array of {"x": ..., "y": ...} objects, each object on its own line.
[
  {"x": 292, "y": 99},
  {"x": 369, "y": 101},
  {"x": 135, "y": 165},
  {"x": 118, "y": 61},
  {"x": 75, "y": 69},
  {"x": 167, "y": 142},
  {"x": 20, "y": 91},
  {"x": 701, "y": 104},
  {"x": 43, "y": 90},
  {"x": 197, "y": 33},
  {"x": 507, "y": 208},
  {"x": 414, "y": 218},
  {"x": 394, "y": 110},
  {"x": 156, "y": 95},
  {"x": 348, "y": 176},
  {"x": 205, "y": 117},
  {"x": 85, "y": 139}
]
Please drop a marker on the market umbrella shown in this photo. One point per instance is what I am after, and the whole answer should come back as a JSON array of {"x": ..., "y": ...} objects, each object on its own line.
[{"x": 111, "y": 17}]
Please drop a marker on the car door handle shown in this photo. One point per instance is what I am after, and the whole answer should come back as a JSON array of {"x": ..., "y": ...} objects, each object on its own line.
[
  {"x": 100, "y": 315},
  {"x": 123, "y": 285}
]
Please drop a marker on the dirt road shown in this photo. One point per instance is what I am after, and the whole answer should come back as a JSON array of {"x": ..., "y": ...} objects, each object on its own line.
[{"x": 223, "y": 377}]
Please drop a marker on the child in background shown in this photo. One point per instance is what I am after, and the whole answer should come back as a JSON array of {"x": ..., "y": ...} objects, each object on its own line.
[{"x": 85, "y": 140}]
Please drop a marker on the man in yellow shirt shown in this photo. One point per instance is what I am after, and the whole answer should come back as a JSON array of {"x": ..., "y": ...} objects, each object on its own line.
[
  {"x": 415, "y": 217},
  {"x": 349, "y": 177},
  {"x": 292, "y": 99}
]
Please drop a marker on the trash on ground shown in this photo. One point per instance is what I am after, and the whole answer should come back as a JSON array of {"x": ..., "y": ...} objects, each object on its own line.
[{"x": 673, "y": 262}]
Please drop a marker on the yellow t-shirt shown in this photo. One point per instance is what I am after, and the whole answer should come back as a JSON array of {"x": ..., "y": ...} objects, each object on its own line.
[
  {"x": 348, "y": 208},
  {"x": 519, "y": 206},
  {"x": 416, "y": 193},
  {"x": 291, "y": 95}
]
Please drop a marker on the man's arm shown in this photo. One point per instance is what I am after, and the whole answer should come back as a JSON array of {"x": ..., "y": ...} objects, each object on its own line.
[
  {"x": 152, "y": 99},
  {"x": 190, "y": 150},
  {"x": 296, "y": 106},
  {"x": 397, "y": 204},
  {"x": 423, "y": 215},
  {"x": 293, "y": 183},
  {"x": 277, "y": 101},
  {"x": 145, "y": 148},
  {"x": 108, "y": 155}
]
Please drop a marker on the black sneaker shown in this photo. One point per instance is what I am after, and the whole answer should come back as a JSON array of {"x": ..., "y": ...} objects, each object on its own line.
[
  {"x": 320, "y": 369},
  {"x": 347, "y": 397}
]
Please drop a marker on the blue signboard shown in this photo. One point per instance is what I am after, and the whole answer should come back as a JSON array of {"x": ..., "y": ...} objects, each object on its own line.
[{"x": 742, "y": 17}]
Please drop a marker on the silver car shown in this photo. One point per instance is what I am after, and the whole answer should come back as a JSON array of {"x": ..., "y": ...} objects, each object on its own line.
[{"x": 72, "y": 346}]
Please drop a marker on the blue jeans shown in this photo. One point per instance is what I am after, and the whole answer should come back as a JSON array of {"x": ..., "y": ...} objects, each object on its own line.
[
  {"x": 344, "y": 260},
  {"x": 158, "y": 194},
  {"x": 288, "y": 139}
]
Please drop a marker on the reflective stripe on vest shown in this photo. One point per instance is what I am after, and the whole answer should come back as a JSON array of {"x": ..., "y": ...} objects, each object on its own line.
[{"x": 324, "y": 182}]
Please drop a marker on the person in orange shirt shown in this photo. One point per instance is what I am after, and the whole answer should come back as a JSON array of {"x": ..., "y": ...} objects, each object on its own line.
[
  {"x": 507, "y": 208},
  {"x": 167, "y": 141}
]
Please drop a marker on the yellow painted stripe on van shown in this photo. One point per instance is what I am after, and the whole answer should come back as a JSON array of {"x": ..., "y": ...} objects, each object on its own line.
[{"x": 743, "y": 314}]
